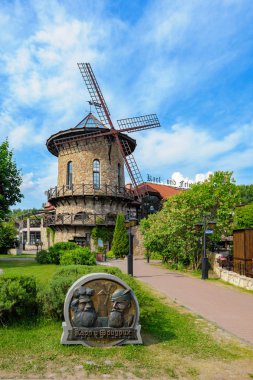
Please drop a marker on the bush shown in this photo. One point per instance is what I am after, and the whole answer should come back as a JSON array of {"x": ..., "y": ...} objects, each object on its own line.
[
  {"x": 17, "y": 297},
  {"x": 53, "y": 296},
  {"x": 154, "y": 256},
  {"x": 110, "y": 255},
  {"x": 43, "y": 257},
  {"x": 8, "y": 236},
  {"x": 56, "y": 251},
  {"x": 78, "y": 256},
  {"x": 53, "y": 255}
]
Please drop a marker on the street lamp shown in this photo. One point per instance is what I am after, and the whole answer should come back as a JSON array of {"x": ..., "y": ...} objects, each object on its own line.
[
  {"x": 37, "y": 243},
  {"x": 131, "y": 221},
  {"x": 205, "y": 224}
]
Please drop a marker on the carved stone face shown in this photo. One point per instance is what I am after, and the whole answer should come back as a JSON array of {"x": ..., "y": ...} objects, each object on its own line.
[
  {"x": 116, "y": 317},
  {"x": 120, "y": 306}
]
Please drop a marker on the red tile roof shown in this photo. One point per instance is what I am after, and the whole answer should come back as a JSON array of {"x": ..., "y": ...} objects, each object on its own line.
[{"x": 165, "y": 191}]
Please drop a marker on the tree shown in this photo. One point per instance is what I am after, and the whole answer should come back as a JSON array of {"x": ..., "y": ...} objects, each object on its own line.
[
  {"x": 172, "y": 231},
  {"x": 18, "y": 212},
  {"x": 8, "y": 236},
  {"x": 10, "y": 180},
  {"x": 120, "y": 242},
  {"x": 244, "y": 217},
  {"x": 245, "y": 194},
  {"x": 103, "y": 233}
]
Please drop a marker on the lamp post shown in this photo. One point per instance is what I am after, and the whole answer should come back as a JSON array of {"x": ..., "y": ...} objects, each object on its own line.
[
  {"x": 130, "y": 222},
  {"x": 37, "y": 243},
  {"x": 205, "y": 264}
]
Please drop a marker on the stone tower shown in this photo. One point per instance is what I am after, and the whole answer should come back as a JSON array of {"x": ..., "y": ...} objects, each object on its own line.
[{"x": 90, "y": 188}]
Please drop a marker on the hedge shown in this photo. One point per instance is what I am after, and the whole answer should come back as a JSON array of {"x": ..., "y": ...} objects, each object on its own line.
[{"x": 17, "y": 297}]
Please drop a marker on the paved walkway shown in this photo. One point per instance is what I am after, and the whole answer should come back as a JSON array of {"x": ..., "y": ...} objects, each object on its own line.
[{"x": 228, "y": 308}]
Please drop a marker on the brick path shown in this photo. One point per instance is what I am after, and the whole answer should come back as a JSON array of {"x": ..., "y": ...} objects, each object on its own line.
[{"x": 229, "y": 308}]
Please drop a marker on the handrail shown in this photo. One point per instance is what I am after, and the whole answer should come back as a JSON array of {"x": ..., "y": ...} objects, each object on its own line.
[
  {"x": 80, "y": 219},
  {"x": 88, "y": 189}
]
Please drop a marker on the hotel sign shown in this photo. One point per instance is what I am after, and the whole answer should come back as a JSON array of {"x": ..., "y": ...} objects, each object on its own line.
[{"x": 169, "y": 182}]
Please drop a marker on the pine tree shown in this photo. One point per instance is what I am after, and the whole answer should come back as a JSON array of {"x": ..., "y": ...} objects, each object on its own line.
[{"x": 120, "y": 242}]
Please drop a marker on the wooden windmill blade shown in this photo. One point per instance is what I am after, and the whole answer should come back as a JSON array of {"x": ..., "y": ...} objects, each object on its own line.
[
  {"x": 131, "y": 165},
  {"x": 138, "y": 123},
  {"x": 95, "y": 93},
  {"x": 104, "y": 115}
]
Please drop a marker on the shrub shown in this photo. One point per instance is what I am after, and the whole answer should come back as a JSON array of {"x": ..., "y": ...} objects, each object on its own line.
[
  {"x": 81, "y": 256},
  {"x": 53, "y": 296},
  {"x": 52, "y": 256},
  {"x": 154, "y": 255},
  {"x": 110, "y": 255},
  {"x": 8, "y": 236},
  {"x": 43, "y": 257},
  {"x": 17, "y": 297},
  {"x": 56, "y": 251}
]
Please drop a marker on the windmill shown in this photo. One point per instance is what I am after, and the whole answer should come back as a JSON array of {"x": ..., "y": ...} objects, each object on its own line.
[{"x": 125, "y": 125}]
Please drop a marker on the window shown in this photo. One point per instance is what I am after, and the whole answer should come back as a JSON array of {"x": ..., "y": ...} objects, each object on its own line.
[
  {"x": 34, "y": 237},
  {"x": 96, "y": 174},
  {"x": 81, "y": 217},
  {"x": 69, "y": 175},
  {"x": 119, "y": 177}
]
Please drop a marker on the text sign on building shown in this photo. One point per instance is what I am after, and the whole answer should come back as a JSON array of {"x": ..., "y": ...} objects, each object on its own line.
[
  {"x": 101, "y": 310},
  {"x": 170, "y": 182}
]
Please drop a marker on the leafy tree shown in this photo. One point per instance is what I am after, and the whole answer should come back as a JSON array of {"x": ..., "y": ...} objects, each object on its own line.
[
  {"x": 245, "y": 194},
  {"x": 243, "y": 217},
  {"x": 10, "y": 180},
  {"x": 120, "y": 242},
  {"x": 18, "y": 212},
  {"x": 103, "y": 233},
  {"x": 8, "y": 236},
  {"x": 172, "y": 231}
]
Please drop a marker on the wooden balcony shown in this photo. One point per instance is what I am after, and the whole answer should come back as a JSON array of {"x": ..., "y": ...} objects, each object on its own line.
[
  {"x": 80, "y": 219},
  {"x": 89, "y": 190}
]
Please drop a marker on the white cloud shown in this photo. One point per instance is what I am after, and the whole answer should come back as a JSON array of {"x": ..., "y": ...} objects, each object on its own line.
[
  {"x": 178, "y": 177},
  {"x": 36, "y": 186},
  {"x": 186, "y": 146}
]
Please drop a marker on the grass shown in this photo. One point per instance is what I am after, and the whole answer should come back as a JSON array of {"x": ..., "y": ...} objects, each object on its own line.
[
  {"x": 30, "y": 268},
  {"x": 170, "y": 335},
  {"x": 30, "y": 255}
]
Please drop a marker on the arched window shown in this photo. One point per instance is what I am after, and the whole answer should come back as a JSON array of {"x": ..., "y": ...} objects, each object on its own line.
[
  {"x": 119, "y": 177},
  {"x": 96, "y": 174},
  {"x": 81, "y": 217},
  {"x": 69, "y": 175}
]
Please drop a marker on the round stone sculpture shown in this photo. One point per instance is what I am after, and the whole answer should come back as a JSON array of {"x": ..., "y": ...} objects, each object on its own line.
[{"x": 101, "y": 310}]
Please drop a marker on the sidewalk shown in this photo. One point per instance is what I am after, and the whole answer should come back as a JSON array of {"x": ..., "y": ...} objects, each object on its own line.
[{"x": 230, "y": 309}]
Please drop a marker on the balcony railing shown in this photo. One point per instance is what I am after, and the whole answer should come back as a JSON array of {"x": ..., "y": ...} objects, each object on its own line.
[
  {"x": 84, "y": 219},
  {"x": 88, "y": 189}
]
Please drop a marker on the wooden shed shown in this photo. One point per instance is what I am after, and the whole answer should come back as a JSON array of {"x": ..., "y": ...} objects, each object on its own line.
[{"x": 243, "y": 252}]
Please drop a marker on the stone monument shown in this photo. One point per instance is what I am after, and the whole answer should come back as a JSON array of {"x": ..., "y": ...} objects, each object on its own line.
[{"x": 101, "y": 310}]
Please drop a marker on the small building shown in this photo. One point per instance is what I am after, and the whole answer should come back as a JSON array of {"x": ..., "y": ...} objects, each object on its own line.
[{"x": 154, "y": 195}]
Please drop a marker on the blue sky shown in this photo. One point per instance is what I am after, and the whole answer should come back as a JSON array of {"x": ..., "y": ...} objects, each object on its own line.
[{"x": 190, "y": 62}]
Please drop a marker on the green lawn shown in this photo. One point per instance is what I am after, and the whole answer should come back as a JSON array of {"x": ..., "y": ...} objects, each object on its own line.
[
  {"x": 177, "y": 344},
  {"x": 30, "y": 268},
  {"x": 30, "y": 255}
]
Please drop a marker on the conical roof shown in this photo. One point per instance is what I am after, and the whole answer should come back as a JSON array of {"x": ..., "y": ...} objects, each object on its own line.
[
  {"x": 87, "y": 125},
  {"x": 90, "y": 121}
]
